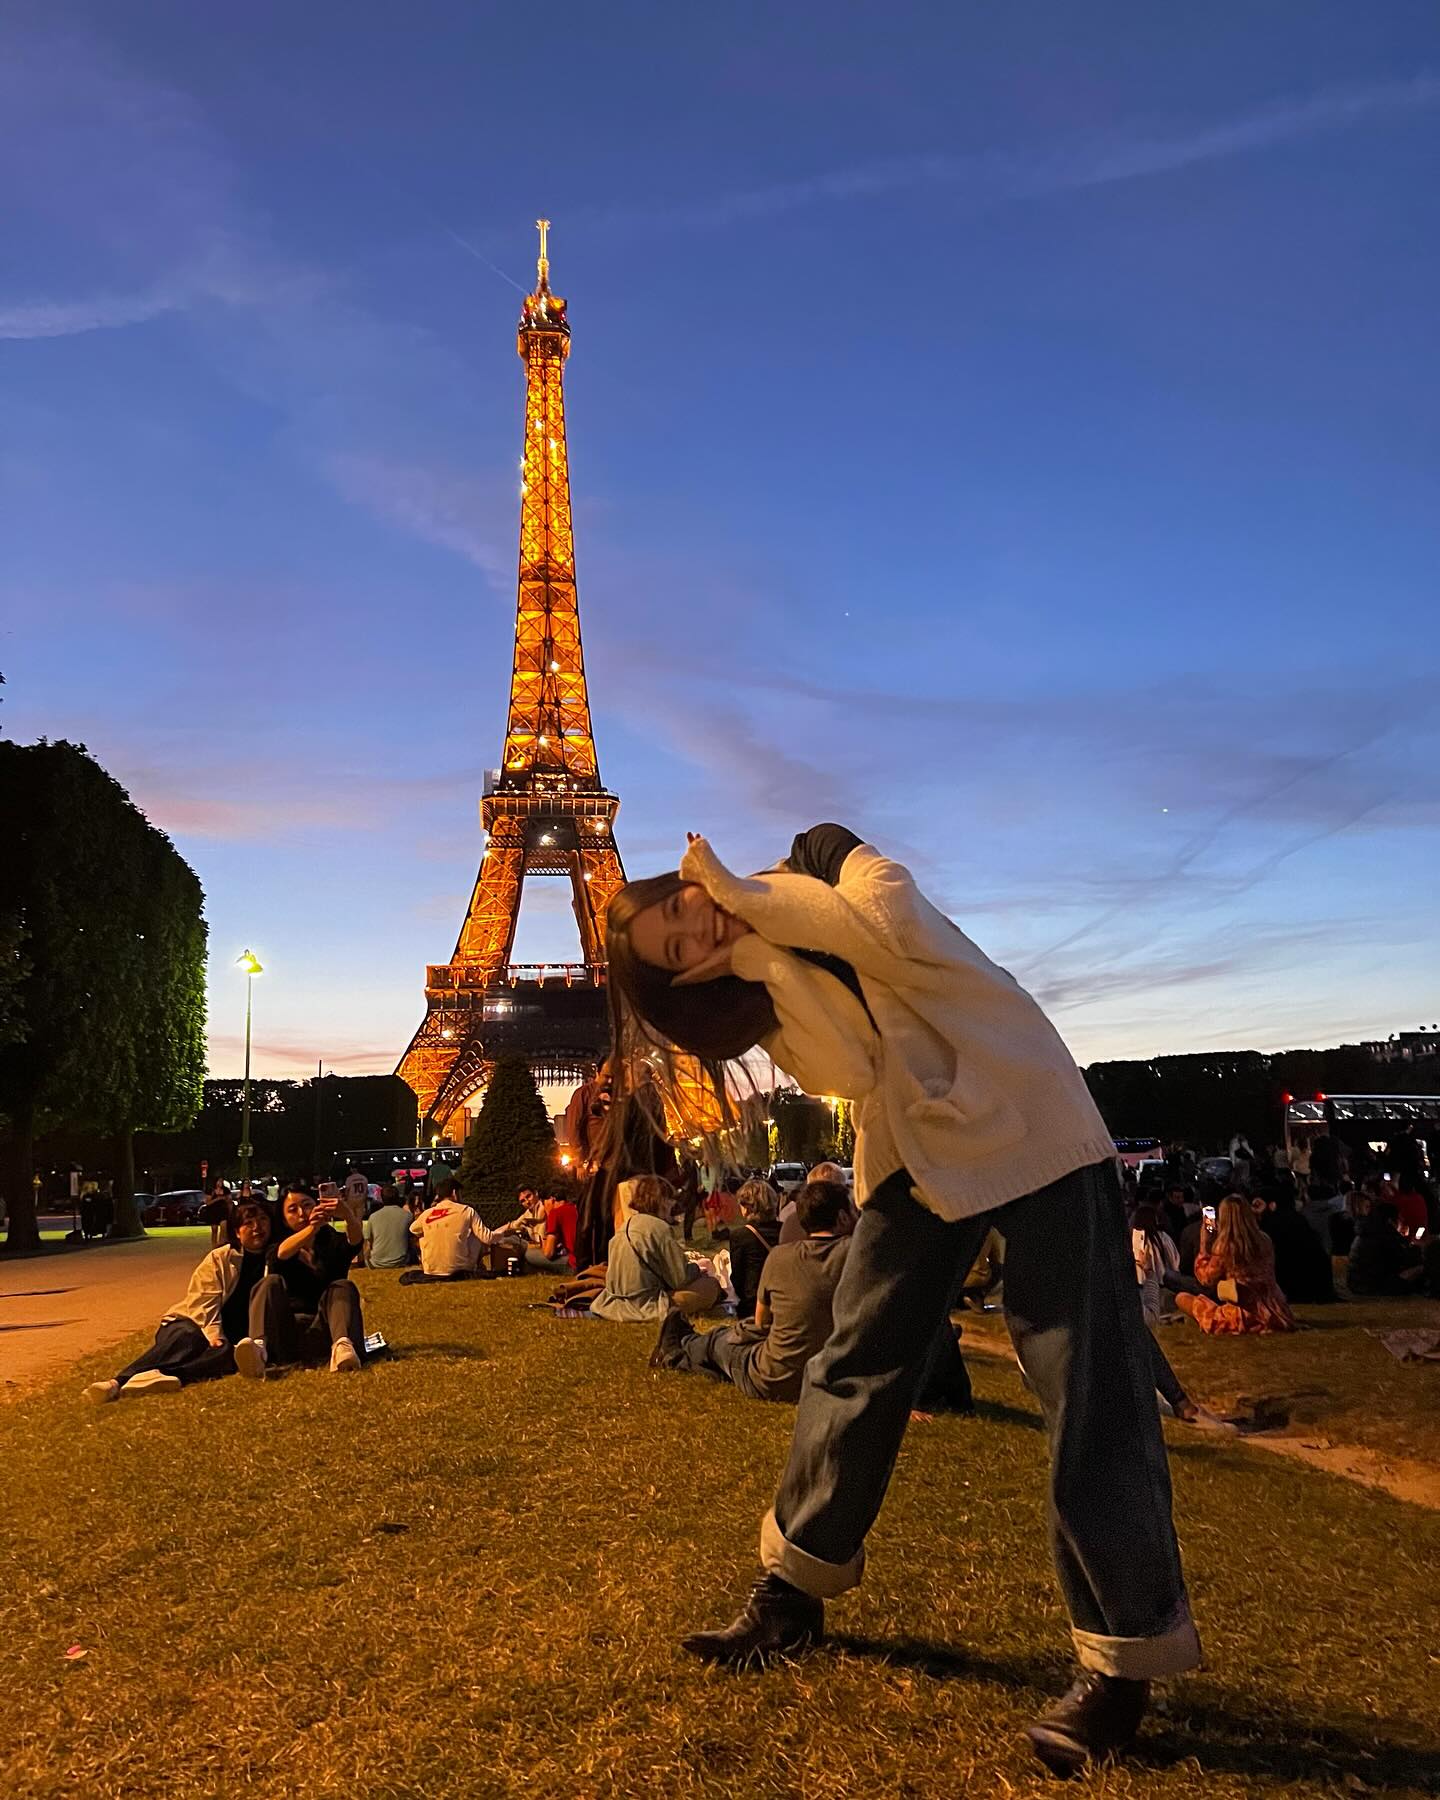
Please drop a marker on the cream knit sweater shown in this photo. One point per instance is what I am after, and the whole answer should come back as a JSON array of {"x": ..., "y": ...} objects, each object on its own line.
[{"x": 961, "y": 1080}]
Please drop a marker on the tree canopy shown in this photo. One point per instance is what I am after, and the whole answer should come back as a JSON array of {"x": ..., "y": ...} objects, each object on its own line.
[
  {"x": 512, "y": 1144},
  {"x": 102, "y": 931}
]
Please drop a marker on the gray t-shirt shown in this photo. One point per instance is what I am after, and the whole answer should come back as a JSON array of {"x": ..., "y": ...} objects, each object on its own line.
[
  {"x": 798, "y": 1285},
  {"x": 387, "y": 1238},
  {"x": 645, "y": 1266}
]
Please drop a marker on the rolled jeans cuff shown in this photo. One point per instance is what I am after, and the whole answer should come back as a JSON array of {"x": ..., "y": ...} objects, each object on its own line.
[
  {"x": 821, "y": 1580},
  {"x": 1170, "y": 1652}
]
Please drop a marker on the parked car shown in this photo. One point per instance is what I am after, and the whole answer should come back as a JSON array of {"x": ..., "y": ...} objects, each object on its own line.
[
  {"x": 180, "y": 1206},
  {"x": 785, "y": 1177}
]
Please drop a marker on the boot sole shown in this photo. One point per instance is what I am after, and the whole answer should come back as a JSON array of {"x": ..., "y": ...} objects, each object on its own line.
[
  {"x": 724, "y": 1658},
  {"x": 1065, "y": 1755}
]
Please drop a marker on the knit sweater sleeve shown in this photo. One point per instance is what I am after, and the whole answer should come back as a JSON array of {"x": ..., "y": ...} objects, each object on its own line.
[{"x": 799, "y": 911}]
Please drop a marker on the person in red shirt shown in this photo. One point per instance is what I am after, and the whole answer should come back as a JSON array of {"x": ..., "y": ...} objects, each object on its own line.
[
  {"x": 1414, "y": 1214},
  {"x": 556, "y": 1255}
]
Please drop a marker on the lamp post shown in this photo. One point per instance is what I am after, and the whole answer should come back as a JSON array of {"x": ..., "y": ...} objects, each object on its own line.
[{"x": 250, "y": 963}]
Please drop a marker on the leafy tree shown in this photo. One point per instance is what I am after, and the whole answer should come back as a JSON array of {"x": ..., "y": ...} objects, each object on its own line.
[
  {"x": 511, "y": 1145},
  {"x": 106, "y": 1009}
]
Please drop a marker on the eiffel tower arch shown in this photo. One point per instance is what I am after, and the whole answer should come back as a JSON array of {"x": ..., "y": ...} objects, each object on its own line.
[{"x": 545, "y": 810}]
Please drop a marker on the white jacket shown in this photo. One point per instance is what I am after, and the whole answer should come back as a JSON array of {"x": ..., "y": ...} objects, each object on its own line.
[
  {"x": 961, "y": 1080},
  {"x": 211, "y": 1285}
]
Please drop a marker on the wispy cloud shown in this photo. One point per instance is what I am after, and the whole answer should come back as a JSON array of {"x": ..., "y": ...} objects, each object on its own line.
[
  {"x": 991, "y": 177},
  {"x": 450, "y": 508},
  {"x": 291, "y": 1058},
  {"x": 101, "y": 312}
]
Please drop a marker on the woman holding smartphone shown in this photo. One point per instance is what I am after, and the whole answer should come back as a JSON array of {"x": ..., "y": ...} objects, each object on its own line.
[{"x": 970, "y": 1113}]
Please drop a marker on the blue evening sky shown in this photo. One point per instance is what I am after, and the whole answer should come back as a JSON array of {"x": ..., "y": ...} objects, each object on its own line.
[{"x": 1008, "y": 429}]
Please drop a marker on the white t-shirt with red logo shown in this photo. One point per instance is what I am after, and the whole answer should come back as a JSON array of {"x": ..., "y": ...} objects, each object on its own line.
[{"x": 451, "y": 1237}]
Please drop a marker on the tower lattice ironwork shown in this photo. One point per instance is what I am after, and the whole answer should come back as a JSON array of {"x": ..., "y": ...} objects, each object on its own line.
[{"x": 545, "y": 810}]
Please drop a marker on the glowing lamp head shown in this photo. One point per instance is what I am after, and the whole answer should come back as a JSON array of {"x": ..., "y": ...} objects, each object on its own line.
[
  {"x": 1285, "y": 1099},
  {"x": 249, "y": 963}
]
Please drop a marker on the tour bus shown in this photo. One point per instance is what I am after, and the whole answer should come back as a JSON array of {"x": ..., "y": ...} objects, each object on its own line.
[
  {"x": 387, "y": 1165},
  {"x": 1372, "y": 1119},
  {"x": 1145, "y": 1155}
]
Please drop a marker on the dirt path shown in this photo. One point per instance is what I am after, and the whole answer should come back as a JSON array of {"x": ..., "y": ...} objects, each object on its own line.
[
  {"x": 1400, "y": 1476},
  {"x": 56, "y": 1309}
]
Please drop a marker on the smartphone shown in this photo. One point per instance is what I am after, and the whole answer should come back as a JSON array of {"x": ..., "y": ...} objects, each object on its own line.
[
  {"x": 329, "y": 1190},
  {"x": 1208, "y": 1214}
]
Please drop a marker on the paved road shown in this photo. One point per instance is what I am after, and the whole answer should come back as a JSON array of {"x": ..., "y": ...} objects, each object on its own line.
[{"x": 56, "y": 1309}]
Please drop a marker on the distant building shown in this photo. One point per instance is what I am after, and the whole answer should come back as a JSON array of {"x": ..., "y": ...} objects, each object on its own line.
[{"x": 1406, "y": 1046}]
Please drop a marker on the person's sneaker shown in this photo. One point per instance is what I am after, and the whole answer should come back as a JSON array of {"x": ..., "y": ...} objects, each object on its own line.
[
  {"x": 99, "y": 1392},
  {"x": 151, "y": 1381},
  {"x": 675, "y": 1328},
  {"x": 250, "y": 1358},
  {"x": 344, "y": 1357},
  {"x": 776, "y": 1620},
  {"x": 1096, "y": 1719},
  {"x": 1205, "y": 1420}
]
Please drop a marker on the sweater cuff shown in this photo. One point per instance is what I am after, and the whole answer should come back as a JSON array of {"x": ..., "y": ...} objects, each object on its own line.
[{"x": 797, "y": 912}]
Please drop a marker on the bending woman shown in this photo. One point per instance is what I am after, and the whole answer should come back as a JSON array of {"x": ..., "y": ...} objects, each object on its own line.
[{"x": 969, "y": 1113}]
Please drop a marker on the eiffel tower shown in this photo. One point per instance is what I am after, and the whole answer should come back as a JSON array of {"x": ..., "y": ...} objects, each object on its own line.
[{"x": 545, "y": 810}]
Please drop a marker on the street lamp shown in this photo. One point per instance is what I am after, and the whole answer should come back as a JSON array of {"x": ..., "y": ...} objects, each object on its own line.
[{"x": 250, "y": 963}]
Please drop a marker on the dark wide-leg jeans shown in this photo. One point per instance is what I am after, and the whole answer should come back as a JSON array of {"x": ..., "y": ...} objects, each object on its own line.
[
  {"x": 292, "y": 1337},
  {"x": 1073, "y": 1309},
  {"x": 182, "y": 1349}
]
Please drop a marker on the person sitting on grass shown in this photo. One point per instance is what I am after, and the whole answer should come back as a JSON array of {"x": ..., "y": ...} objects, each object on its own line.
[
  {"x": 1382, "y": 1260},
  {"x": 195, "y": 1339},
  {"x": 387, "y": 1233},
  {"x": 646, "y": 1272},
  {"x": 1302, "y": 1264},
  {"x": 306, "y": 1309},
  {"x": 1154, "y": 1251},
  {"x": 751, "y": 1241},
  {"x": 1237, "y": 1261},
  {"x": 451, "y": 1238},
  {"x": 791, "y": 1230},
  {"x": 528, "y": 1225},
  {"x": 793, "y": 1309},
  {"x": 556, "y": 1252}
]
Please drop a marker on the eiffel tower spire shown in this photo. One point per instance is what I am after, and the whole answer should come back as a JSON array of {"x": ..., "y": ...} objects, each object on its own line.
[{"x": 545, "y": 809}]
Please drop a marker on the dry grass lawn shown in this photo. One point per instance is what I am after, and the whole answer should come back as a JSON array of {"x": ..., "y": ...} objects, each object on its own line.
[{"x": 462, "y": 1574}]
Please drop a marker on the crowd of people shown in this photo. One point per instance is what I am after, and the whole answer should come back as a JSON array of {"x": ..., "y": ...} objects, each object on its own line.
[
  {"x": 1234, "y": 1256},
  {"x": 275, "y": 1290}
]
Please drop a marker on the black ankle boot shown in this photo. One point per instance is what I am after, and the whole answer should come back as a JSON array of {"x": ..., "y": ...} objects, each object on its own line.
[
  {"x": 674, "y": 1329},
  {"x": 1097, "y": 1718},
  {"x": 777, "y": 1620}
]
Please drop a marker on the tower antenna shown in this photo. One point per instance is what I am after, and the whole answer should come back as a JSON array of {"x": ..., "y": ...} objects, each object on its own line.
[{"x": 543, "y": 267}]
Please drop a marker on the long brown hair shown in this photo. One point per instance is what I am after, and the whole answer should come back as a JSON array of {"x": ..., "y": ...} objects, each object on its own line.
[
  {"x": 678, "y": 1048},
  {"x": 1239, "y": 1241}
]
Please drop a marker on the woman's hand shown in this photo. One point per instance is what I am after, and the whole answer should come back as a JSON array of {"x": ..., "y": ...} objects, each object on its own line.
[{"x": 718, "y": 964}]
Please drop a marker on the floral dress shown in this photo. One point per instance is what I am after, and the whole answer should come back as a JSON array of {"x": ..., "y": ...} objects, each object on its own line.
[{"x": 1261, "y": 1305}]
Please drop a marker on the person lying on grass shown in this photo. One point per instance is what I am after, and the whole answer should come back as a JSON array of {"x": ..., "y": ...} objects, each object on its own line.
[
  {"x": 306, "y": 1309},
  {"x": 766, "y": 1360},
  {"x": 195, "y": 1338},
  {"x": 646, "y": 1272}
]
